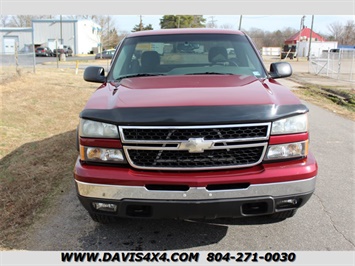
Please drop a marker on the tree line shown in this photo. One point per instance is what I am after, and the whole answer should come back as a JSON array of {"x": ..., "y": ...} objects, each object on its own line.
[{"x": 344, "y": 34}]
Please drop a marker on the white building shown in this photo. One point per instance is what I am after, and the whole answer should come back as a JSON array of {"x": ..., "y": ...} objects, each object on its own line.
[
  {"x": 83, "y": 36},
  {"x": 89, "y": 37},
  {"x": 316, "y": 48}
]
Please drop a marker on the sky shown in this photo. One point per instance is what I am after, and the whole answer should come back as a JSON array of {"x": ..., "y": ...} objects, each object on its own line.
[
  {"x": 264, "y": 22},
  {"x": 268, "y": 15}
]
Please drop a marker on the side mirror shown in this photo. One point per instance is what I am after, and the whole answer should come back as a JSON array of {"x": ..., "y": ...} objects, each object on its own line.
[
  {"x": 280, "y": 70},
  {"x": 95, "y": 74}
]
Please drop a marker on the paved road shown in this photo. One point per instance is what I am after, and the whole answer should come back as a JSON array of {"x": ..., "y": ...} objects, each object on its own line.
[{"x": 326, "y": 222}]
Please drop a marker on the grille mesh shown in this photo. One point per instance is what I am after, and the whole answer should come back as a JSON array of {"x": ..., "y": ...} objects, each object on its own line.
[
  {"x": 184, "y": 159},
  {"x": 157, "y": 134}
]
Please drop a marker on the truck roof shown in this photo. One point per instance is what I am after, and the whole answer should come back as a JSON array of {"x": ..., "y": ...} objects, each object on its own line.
[{"x": 185, "y": 31}]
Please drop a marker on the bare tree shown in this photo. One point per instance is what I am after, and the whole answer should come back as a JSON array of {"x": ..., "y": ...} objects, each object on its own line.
[
  {"x": 258, "y": 37},
  {"x": 336, "y": 29},
  {"x": 227, "y": 26},
  {"x": 4, "y": 20},
  {"x": 21, "y": 21},
  {"x": 343, "y": 34},
  {"x": 109, "y": 36},
  {"x": 89, "y": 17},
  {"x": 348, "y": 34},
  {"x": 263, "y": 38}
]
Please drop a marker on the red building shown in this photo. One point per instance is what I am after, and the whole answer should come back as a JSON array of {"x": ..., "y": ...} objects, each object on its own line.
[{"x": 304, "y": 35}]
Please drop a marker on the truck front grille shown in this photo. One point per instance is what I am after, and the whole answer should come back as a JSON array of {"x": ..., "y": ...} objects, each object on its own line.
[
  {"x": 195, "y": 148},
  {"x": 209, "y": 133},
  {"x": 184, "y": 159}
]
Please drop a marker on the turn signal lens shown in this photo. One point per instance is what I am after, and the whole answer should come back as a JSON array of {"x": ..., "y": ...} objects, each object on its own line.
[{"x": 95, "y": 154}]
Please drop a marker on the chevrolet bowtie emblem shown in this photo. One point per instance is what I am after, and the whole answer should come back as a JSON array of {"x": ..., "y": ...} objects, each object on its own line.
[{"x": 196, "y": 145}]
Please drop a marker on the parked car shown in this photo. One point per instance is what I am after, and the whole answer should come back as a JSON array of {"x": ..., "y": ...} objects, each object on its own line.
[
  {"x": 67, "y": 50},
  {"x": 181, "y": 135},
  {"x": 107, "y": 54},
  {"x": 44, "y": 51}
]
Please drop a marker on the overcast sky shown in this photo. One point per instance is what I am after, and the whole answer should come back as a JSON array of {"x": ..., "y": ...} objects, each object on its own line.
[
  {"x": 268, "y": 15},
  {"x": 264, "y": 22}
]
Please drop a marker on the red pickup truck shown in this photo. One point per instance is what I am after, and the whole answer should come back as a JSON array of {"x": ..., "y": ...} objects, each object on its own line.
[{"x": 192, "y": 133}]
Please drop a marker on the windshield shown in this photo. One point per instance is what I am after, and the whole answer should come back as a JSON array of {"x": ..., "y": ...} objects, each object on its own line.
[{"x": 186, "y": 54}]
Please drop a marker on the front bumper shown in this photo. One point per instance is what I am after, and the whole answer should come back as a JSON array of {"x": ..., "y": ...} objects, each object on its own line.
[
  {"x": 196, "y": 202},
  {"x": 259, "y": 190},
  {"x": 119, "y": 193},
  {"x": 263, "y": 190}
]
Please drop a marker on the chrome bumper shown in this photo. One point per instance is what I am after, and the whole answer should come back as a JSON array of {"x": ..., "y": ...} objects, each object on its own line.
[{"x": 116, "y": 192}]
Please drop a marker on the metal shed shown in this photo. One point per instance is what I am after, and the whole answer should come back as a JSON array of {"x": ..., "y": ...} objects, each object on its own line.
[
  {"x": 82, "y": 36},
  {"x": 16, "y": 38},
  {"x": 55, "y": 32}
]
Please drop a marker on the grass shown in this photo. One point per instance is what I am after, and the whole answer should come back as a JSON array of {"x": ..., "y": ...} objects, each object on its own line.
[
  {"x": 334, "y": 99},
  {"x": 39, "y": 116}
]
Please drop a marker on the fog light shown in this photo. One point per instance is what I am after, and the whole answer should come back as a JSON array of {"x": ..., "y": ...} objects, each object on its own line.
[
  {"x": 107, "y": 207},
  {"x": 287, "y": 203}
]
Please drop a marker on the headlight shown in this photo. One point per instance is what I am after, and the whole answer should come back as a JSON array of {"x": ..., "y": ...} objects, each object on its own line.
[
  {"x": 93, "y": 129},
  {"x": 287, "y": 151},
  {"x": 290, "y": 125}
]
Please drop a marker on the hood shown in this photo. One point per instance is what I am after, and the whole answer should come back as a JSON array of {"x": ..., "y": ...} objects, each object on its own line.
[
  {"x": 174, "y": 99},
  {"x": 191, "y": 91}
]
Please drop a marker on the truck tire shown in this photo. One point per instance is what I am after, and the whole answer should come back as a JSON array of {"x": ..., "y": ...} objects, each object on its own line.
[{"x": 102, "y": 219}]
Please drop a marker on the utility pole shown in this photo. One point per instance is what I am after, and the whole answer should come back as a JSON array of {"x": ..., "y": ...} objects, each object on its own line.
[
  {"x": 299, "y": 36},
  {"x": 108, "y": 32},
  {"x": 213, "y": 22},
  {"x": 140, "y": 23},
  {"x": 240, "y": 22},
  {"x": 61, "y": 30},
  {"x": 178, "y": 17},
  {"x": 310, "y": 39}
]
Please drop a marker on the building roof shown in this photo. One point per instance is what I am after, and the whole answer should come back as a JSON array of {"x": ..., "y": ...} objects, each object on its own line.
[
  {"x": 13, "y": 29},
  {"x": 304, "y": 34}
]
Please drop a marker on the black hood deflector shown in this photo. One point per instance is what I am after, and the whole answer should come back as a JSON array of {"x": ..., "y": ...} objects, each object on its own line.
[{"x": 193, "y": 115}]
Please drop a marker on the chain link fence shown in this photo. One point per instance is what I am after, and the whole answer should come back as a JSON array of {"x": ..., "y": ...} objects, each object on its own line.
[
  {"x": 18, "y": 62},
  {"x": 335, "y": 63},
  {"x": 17, "y": 50}
]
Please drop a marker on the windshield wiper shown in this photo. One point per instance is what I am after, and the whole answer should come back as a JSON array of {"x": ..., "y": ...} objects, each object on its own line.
[{"x": 141, "y": 75}]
